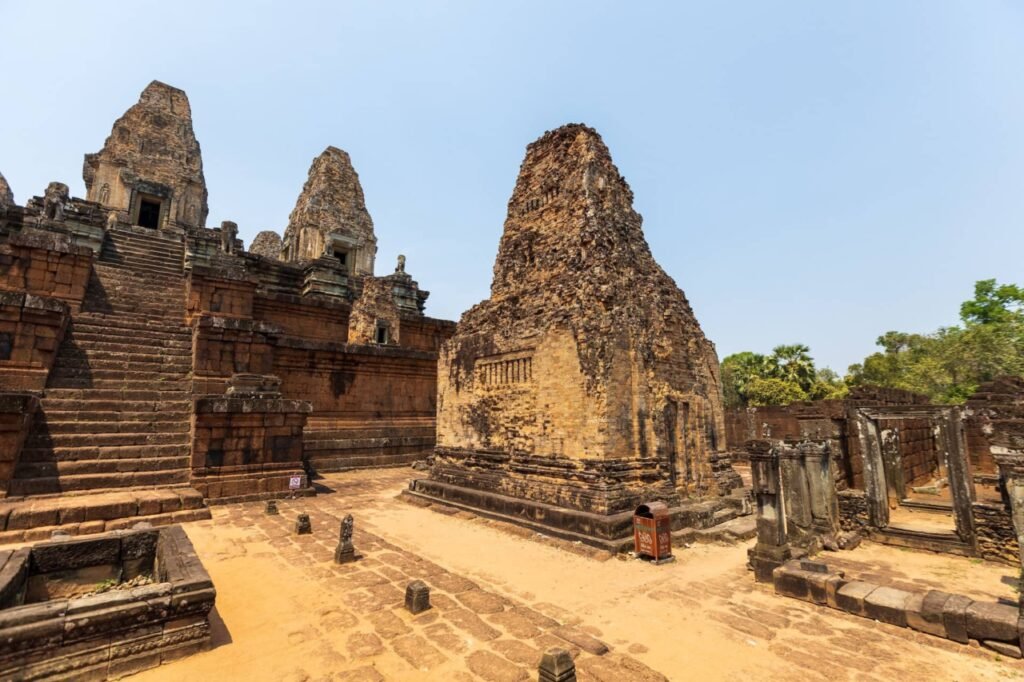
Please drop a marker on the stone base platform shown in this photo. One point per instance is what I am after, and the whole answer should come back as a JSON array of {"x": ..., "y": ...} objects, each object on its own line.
[
  {"x": 691, "y": 521},
  {"x": 34, "y": 518}
]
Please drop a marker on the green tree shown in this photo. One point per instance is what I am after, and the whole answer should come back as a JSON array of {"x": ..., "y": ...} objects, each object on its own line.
[
  {"x": 993, "y": 303},
  {"x": 773, "y": 391},
  {"x": 949, "y": 364},
  {"x": 785, "y": 376},
  {"x": 793, "y": 363}
]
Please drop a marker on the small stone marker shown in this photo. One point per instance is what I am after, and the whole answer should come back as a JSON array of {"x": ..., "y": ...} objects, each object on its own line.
[
  {"x": 417, "y": 597},
  {"x": 345, "y": 552},
  {"x": 271, "y": 508},
  {"x": 556, "y": 666},
  {"x": 302, "y": 525}
]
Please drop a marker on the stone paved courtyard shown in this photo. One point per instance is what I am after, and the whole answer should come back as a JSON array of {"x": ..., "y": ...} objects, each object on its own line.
[{"x": 501, "y": 596}]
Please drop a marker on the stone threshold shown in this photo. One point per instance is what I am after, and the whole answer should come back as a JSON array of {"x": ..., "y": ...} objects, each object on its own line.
[{"x": 995, "y": 625}]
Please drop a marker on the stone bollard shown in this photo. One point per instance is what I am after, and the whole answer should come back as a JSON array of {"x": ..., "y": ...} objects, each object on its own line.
[
  {"x": 556, "y": 666},
  {"x": 417, "y": 597},
  {"x": 271, "y": 508},
  {"x": 345, "y": 552},
  {"x": 302, "y": 525}
]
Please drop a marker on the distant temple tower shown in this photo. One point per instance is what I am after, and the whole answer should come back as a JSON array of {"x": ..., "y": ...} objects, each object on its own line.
[
  {"x": 150, "y": 169},
  {"x": 330, "y": 217},
  {"x": 585, "y": 381}
]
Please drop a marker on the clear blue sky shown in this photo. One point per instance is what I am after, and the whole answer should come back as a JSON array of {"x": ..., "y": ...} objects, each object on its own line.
[{"x": 816, "y": 172}]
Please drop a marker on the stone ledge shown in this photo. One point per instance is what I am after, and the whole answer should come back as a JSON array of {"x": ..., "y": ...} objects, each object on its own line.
[{"x": 997, "y": 626}]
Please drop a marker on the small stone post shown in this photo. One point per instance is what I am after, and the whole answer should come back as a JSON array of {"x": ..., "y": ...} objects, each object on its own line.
[
  {"x": 772, "y": 548},
  {"x": 345, "y": 552},
  {"x": 302, "y": 525},
  {"x": 556, "y": 666},
  {"x": 271, "y": 508},
  {"x": 417, "y": 597}
]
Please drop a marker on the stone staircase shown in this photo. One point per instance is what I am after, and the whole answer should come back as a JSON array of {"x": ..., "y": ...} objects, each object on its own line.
[{"x": 113, "y": 425}]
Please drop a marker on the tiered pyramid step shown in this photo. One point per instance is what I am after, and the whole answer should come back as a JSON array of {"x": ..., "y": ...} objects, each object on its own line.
[{"x": 35, "y": 518}]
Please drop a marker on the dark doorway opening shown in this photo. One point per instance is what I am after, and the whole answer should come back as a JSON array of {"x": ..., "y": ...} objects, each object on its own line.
[
  {"x": 149, "y": 213},
  {"x": 342, "y": 257}
]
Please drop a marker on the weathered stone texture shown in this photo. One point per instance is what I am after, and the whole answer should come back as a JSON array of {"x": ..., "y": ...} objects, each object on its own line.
[
  {"x": 152, "y": 152},
  {"x": 6, "y": 195},
  {"x": 375, "y": 317},
  {"x": 586, "y": 364},
  {"x": 330, "y": 216},
  {"x": 266, "y": 244}
]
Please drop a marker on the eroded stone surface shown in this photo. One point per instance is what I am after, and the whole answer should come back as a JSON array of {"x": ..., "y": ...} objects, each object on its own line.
[
  {"x": 330, "y": 216},
  {"x": 585, "y": 363}
]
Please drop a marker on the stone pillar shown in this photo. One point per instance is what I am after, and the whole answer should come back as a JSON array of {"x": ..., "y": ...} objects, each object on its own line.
[
  {"x": 793, "y": 479},
  {"x": 772, "y": 548},
  {"x": 1011, "y": 473},
  {"x": 824, "y": 507}
]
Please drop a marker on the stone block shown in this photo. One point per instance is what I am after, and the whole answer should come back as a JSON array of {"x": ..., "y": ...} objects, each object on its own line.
[
  {"x": 850, "y": 597},
  {"x": 1004, "y": 648},
  {"x": 887, "y": 605},
  {"x": 67, "y": 555},
  {"x": 954, "y": 617},
  {"x": 990, "y": 620},
  {"x": 833, "y": 584},
  {"x": 556, "y": 665},
  {"x": 417, "y": 597},
  {"x": 924, "y": 612},
  {"x": 790, "y": 581}
]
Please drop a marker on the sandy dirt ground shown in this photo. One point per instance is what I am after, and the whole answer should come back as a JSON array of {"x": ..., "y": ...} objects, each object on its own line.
[{"x": 502, "y": 595}]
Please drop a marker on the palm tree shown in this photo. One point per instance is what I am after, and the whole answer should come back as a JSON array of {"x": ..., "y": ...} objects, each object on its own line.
[{"x": 793, "y": 363}]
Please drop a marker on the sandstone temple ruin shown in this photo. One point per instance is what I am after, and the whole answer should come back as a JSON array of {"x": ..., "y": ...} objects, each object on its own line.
[
  {"x": 584, "y": 386},
  {"x": 150, "y": 364}
]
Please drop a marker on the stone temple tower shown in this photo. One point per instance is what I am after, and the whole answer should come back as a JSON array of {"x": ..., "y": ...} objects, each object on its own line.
[
  {"x": 330, "y": 217},
  {"x": 150, "y": 169},
  {"x": 584, "y": 382}
]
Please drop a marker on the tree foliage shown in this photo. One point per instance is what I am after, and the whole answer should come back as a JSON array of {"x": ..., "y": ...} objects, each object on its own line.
[
  {"x": 786, "y": 375},
  {"x": 949, "y": 364}
]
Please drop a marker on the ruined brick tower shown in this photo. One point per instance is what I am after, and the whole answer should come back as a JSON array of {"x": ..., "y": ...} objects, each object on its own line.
[
  {"x": 585, "y": 381},
  {"x": 330, "y": 217},
  {"x": 150, "y": 168}
]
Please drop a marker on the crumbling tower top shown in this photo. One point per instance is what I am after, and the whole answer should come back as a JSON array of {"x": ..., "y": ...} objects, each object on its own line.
[
  {"x": 330, "y": 216},
  {"x": 6, "y": 195},
  {"x": 151, "y": 168}
]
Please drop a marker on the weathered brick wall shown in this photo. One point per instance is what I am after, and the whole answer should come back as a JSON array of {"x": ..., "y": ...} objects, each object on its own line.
[
  {"x": 247, "y": 447},
  {"x": 295, "y": 316},
  {"x": 374, "y": 307},
  {"x": 31, "y": 329},
  {"x": 16, "y": 413},
  {"x": 994, "y": 416},
  {"x": 219, "y": 297},
  {"x": 918, "y": 455},
  {"x": 997, "y": 540},
  {"x": 853, "y": 510},
  {"x": 223, "y": 346},
  {"x": 45, "y": 264}
]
